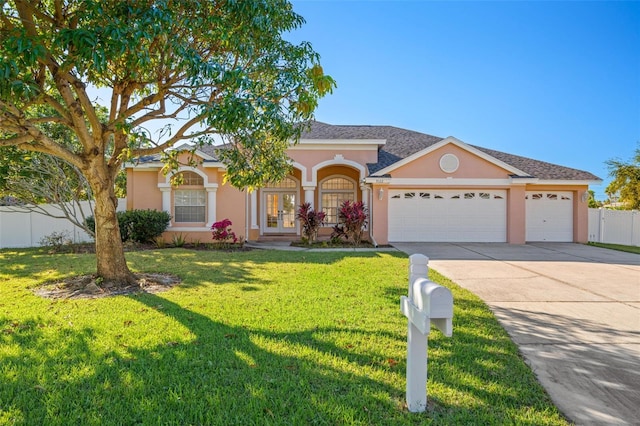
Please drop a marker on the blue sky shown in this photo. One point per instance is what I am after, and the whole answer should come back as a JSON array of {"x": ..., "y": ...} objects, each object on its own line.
[{"x": 554, "y": 81}]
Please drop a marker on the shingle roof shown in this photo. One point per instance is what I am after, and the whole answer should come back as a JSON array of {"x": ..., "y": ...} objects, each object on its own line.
[{"x": 401, "y": 143}]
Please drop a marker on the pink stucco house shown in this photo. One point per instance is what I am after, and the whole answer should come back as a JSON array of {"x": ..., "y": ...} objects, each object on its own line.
[{"x": 418, "y": 187}]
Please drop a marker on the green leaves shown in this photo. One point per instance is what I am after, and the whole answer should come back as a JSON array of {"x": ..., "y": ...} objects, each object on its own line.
[{"x": 626, "y": 180}]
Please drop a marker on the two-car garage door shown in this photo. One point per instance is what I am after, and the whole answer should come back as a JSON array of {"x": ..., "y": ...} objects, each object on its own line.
[{"x": 448, "y": 215}]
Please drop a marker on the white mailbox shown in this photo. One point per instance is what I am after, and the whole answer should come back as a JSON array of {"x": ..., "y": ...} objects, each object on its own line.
[{"x": 427, "y": 303}]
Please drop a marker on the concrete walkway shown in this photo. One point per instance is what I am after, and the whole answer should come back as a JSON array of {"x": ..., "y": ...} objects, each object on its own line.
[
  {"x": 286, "y": 246},
  {"x": 573, "y": 310}
]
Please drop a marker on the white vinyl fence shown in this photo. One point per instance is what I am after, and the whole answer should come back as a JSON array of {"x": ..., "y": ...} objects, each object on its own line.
[
  {"x": 19, "y": 228},
  {"x": 614, "y": 226}
]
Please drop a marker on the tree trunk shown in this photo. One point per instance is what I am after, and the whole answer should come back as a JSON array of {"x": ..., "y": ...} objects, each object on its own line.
[{"x": 111, "y": 263}]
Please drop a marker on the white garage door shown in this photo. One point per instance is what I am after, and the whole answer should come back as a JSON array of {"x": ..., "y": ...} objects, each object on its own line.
[
  {"x": 448, "y": 215},
  {"x": 549, "y": 216}
]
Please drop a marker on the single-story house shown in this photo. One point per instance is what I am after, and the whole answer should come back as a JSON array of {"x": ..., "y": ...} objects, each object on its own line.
[{"x": 417, "y": 187}]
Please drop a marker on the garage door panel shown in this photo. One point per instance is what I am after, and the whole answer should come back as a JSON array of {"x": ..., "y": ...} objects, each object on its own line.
[
  {"x": 549, "y": 216},
  {"x": 447, "y": 215}
]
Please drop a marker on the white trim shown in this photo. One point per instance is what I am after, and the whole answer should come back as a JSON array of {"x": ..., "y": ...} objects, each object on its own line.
[
  {"x": 334, "y": 147},
  {"x": 477, "y": 182},
  {"x": 212, "y": 208},
  {"x": 568, "y": 182},
  {"x": 449, "y": 163},
  {"x": 147, "y": 166},
  {"x": 254, "y": 210},
  {"x": 188, "y": 229},
  {"x": 160, "y": 165},
  {"x": 459, "y": 144},
  {"x": 338, "y": 160},
  {"x": 523, "y": 180},
  {"x": 195, "y": 170},
  {"x": 469, "y": 182},
  {"x": 303, "y": 172},
  {"x": 341, "y": 142},
  {"x": 214, "y": 165}
]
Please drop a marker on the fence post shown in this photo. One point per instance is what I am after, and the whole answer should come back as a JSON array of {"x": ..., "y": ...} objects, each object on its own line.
[
  {"x": 601, "y": 226},
  {"x": 635, "y": 233}
]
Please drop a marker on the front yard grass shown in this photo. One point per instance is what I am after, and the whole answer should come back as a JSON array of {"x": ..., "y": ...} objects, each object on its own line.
[
  {"x": 249, "y": 338},
  {"x": 619, "y": 247}
]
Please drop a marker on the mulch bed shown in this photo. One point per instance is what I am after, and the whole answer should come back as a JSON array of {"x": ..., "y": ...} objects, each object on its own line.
[{"x": 89, "y": 287}]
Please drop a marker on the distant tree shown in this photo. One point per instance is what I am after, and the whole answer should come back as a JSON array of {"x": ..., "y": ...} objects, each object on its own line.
[
  {"x": 43, "y": 178},
  {"x": 34, "y": 178},
  {"x": 593, "y": 203},
  {"x": 626, "y": 180},
  {"x": 192, "y": 69}
]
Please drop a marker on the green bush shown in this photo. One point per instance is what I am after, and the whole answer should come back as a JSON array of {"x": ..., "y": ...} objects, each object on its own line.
[{"x": 140, "y": 226}]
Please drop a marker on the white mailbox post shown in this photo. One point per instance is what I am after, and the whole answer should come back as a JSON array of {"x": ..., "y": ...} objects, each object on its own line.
[{"x": 427, "y": 303}]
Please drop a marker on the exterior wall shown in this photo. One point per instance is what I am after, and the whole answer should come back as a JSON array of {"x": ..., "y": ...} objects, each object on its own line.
[
  {"x": 311, "y": 166},
  {"x": 516, "y": 215},
  {"x": 144, "y": 192},
  {"x": 311, "y": 158},
  {"x": 471, "y": 166},
  {"x": 142, "y": 189},
  {"x": 379, "y": 213}
]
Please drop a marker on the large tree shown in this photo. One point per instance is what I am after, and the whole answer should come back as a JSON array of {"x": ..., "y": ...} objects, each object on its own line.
[
  {"x": 626, "y": 180},
  {"x": 198, "y": 68}
]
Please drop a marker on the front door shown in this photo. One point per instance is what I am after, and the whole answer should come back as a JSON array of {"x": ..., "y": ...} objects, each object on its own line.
[{"x": 280, "y": 212}]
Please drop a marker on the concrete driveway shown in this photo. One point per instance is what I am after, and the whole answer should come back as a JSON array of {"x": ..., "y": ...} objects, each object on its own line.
[{"x": 573, "y": 310}]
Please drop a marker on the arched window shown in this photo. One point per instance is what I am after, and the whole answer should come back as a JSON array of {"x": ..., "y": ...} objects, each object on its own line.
[
  {"x": 286, "y": 183},
  {"x": 334, "y": 191},
  {"x": 189, "y": 199},
  {"x": 191, "y": 179}
]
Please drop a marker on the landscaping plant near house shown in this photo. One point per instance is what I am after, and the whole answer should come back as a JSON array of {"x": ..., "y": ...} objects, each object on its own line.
[
  {"x": 311, "y": 221},
  {"x": 352, "y": 220},
  {"x": 249, "y": 338},
  {"x": 140, "y": 226},
  {"x": 222, "y": 233}
]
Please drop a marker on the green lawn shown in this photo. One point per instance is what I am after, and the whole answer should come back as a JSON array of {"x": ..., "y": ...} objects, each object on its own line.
[
  {"x": 260, "y": 337},
  {"x": 619, "y": 247}
]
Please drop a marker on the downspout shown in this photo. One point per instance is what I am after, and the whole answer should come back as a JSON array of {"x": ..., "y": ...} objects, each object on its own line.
[{"x": 375, "y": 243}]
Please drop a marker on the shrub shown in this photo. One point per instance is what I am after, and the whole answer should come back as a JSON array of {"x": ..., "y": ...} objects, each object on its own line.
[
  {"x": 56, "y": 240},
  {"x": 352, "y": 219},
  {"x": 311, "y": 221},
  {"x": 222, "y": 232},
  {"x": 140, "y": 226},
  {"x": 178, "y": 240}
]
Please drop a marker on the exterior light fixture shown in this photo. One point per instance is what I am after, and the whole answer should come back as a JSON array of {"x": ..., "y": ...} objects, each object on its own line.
[{"x": 585, "y": 196}]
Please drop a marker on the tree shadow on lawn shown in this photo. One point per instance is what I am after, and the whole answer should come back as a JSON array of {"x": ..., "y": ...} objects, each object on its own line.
[
  {"x": 216, "y": 373},
  {"x": 222, "y": 374},
  {"x": 237, "y": 267},
  {"x": 226, "y": 375}
]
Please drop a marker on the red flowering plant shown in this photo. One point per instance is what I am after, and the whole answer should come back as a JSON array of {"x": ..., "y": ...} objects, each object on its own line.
[
  {"x": 311, "y": 221},
  {"x": 352, "y": 221},
  {"x": 222, "y": 232}
]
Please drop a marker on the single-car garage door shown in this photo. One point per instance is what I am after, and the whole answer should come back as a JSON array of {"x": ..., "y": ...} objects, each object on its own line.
[
  {"x": 549, "y": 216},
  {"x": 448, "y": 215}
]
